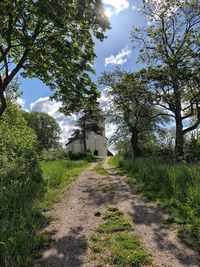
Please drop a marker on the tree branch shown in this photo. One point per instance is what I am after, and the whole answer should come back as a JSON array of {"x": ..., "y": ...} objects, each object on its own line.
[
  {"x": 23, "y": 58},
  {"x": 194, "y": 126}
]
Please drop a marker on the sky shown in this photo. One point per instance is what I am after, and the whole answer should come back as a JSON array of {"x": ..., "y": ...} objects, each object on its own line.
[{"x": 115, "y": 51}]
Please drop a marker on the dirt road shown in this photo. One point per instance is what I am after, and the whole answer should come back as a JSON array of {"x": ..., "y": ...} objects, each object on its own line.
[{"x": 76, "y": 222}]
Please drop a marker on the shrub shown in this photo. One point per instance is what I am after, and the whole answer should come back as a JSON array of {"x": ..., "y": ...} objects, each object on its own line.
[
  {"x": 79, "y": 156},
  {"x": 21, "y": 183}
]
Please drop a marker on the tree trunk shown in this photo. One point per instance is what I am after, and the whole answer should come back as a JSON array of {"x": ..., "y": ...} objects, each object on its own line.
[
  {"x": 84, "y": 136},
  {"x": 179, "y": 138},
  {"x": 3, "y": 104},
  {"x": 179, "y": 142},
  {"x": 134, "y": 143}
]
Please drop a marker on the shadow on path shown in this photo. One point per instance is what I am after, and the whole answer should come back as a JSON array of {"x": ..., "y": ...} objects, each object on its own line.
[{"x": 66, "y": 251}]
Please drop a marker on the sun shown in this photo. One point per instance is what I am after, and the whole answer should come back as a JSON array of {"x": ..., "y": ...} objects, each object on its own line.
[{"x": 108, "y": 12}]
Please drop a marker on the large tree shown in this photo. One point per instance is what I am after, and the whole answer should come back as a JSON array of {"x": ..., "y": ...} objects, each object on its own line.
[
  {"x": 46, "y": 129},
  {"x": 51, "y": 40},
  {"x": 171, "y": 49},
  {"x": 130, "y": 106}
]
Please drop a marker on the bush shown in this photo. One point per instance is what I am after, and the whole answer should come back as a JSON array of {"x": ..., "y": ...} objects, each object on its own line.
[
  {"x": 80, "y": 156},
  {"x": 21, "y": 183}
]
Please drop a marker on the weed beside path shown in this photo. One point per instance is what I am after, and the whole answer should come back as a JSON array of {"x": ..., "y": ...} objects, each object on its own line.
[{"x": 58, "y": 174}]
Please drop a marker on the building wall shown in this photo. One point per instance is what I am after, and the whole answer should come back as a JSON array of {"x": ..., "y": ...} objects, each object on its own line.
[
  {"x": 94, "y": 142},
  {"x": 75, "y": 146},
  {"x": 97, "y": 142}
]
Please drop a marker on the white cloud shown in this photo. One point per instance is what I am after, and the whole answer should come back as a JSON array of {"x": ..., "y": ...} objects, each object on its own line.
[
  {"x": 20, "y": 102},
  {"x": 106, "y": 105},
  {"x": 117, "y": 5},
  {"x": 119, "y": 59},
  {"x": 104, "y": 101},
  {"x": 110, "y": 129}
]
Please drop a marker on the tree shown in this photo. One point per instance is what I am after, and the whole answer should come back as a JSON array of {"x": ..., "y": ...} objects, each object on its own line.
[
  {"x": 89, "y": 120},
  {"x": 130, "y": 106},
  {"x": 46, "y": 129},
  {"x": 50, "y": 40},
  {"x": 171, "y": 49}
]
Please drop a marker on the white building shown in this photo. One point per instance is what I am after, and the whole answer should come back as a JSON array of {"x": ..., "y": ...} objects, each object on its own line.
[{"x": 96, "y": 143}]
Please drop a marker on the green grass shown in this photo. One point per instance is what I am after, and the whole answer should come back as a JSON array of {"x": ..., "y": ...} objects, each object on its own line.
[
  {"x": 115, "y": 244},
  {"x": 58, "y": 174},
  {"x": 175, "y": 187}
]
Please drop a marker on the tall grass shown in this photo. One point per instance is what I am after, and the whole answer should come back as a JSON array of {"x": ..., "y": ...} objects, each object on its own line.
[
  {"x": 175, "y": 187},
  {"x": 58, "y": 174}
]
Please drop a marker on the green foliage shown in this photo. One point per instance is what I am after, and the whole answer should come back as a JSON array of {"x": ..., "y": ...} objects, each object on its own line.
[
  {"x": 20, "y": 185},
  {"x": 175, "y": 187},
  {"x": 115, "y": 244},
  {"x": 58, "y": 174},
  {"x": 46, "y": 129},
  {"x": 52, "y": 41},
  {"x": 53, "y": 155}
]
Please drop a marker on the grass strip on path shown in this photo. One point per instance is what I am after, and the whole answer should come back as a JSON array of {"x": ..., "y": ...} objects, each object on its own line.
[
  {"x": 100, "y": 170},
  {"x": 115, "y": 244}
]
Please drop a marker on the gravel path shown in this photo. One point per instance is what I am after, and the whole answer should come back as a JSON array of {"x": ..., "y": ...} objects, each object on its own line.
[{"x": 76, "y": 222}]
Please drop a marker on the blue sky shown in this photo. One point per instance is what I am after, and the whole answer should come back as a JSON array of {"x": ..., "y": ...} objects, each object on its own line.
[{"x": 115, "y": 51}]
